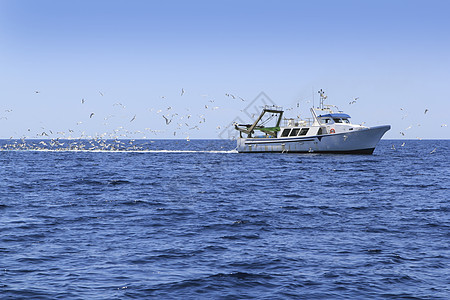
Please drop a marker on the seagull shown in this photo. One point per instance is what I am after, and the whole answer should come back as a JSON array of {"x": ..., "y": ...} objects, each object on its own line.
[
  {"x": 242, "y": 99},
  {"x": 82, "y": 101},
  {"x": 434, "y": 150},
  {"x": 100, "y": 93},
  {"x": 444, "y": 125},
  {"x": 393, "y": 147},
  {"x": 354, "y": 100},
  {"x": 133, "y": 118},
  {"x": 167, "y": 120},
  {"x": 402, "y": 133},
  {"x": 426, "y": 110},
  {"x": 120, "y": 104},
  {"x": 37, "y": 92},
  {"x": 182, "y": 92},
  {"x": 403, "y": 144},
  {"x": 92, "y": 114}
]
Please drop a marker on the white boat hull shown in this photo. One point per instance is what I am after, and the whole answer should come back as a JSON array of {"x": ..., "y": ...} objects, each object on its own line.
[{"x": 361, "y": 141}]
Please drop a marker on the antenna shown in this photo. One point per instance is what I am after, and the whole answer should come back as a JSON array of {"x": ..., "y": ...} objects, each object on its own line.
[
  {"x": 313, "y": 95},
  {"x": 322, "y": 98}
]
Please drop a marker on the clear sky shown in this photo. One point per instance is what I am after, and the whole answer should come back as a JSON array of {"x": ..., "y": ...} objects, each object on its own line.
[{"x": 393, "y": 55}]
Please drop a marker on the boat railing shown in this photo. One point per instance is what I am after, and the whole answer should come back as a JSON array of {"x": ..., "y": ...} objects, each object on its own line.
[
  {"x": 297, "y": 122},
  {"x": 273, "y": 107}
]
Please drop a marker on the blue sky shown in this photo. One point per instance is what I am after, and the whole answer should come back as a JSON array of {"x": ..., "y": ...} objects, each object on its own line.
[{"x": 393, "y": 55}]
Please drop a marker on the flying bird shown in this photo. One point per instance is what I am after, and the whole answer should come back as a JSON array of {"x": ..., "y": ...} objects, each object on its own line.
[
  {"x": 133, "y": 118},
  {"x": 354, "y": 100},
  {"x": 119, "y": 104},
  {"x": 426, "y": 110},
  {"x": 434, "y": 150},
  {"x": 167, "y": 120},
  {"x": 100, "y": 93},
  {"x": 182, "y": 92},
  {"x": 82, "y": 101},
  {"x": 92, "y": 114}
]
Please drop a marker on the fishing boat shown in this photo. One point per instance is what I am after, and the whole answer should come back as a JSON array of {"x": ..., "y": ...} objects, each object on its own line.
[{"x": 328, "y": 131}]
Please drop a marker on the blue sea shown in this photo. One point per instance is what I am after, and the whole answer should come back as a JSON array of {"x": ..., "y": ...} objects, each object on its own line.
[{"x": 177, "y": 219}]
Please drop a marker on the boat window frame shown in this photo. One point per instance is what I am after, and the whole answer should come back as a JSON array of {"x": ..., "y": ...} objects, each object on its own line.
[
  {"x": 326, "y": 121},
  {"x": 304, "y": 131},
  {"x": 288, "y": 130},
  {"x": 294, "y": 132}
]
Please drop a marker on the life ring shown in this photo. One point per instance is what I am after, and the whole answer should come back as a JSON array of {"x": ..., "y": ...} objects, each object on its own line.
[{"x": 332, "y": 130}]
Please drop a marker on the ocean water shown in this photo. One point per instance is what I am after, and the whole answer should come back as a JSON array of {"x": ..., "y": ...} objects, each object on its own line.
[{"x": 196, "y": 220}]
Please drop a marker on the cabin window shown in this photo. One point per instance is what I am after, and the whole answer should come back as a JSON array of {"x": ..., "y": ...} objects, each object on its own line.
[
  {"x": 326, "y": 121},
  {"x": 337, "y": 120},
  {"x": 294, "y": 132},
  {"x": 304, "y": 131},
  {"x": 285, "y": 132},
  {"x": 346, "y": 121}
]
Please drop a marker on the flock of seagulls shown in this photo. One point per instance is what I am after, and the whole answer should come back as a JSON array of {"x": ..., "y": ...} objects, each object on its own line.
[{"x": 180, "y": 123}]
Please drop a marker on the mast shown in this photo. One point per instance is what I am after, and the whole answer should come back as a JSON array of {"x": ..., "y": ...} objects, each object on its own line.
[{"x": 322, "y": 98}]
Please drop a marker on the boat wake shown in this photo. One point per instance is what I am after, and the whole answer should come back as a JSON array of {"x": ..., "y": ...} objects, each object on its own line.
[{"x": 123, "y": 151}]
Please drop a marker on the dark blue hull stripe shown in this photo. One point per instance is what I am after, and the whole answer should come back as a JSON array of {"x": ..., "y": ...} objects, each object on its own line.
[{"x": 358, "y": 151}]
